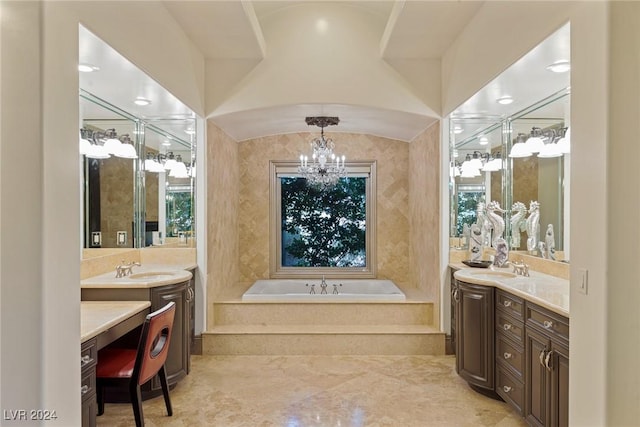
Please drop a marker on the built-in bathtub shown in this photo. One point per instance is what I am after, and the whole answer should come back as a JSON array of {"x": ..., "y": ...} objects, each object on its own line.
[{"x": 311, "y": 290}]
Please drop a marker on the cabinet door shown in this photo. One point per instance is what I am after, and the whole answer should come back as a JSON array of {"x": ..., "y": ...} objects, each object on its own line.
[
  {"x": 537, "y": 378},
  {"x": 559, "y": 385},
  {"x": 475, "y": 334},
  {"x": 178, "y": 357}
]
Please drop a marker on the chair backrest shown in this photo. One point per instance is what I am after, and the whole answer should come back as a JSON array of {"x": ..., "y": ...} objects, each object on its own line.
[{"x": 154, "y": 343}]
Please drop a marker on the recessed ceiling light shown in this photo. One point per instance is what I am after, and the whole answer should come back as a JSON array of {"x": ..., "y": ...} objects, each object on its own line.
[
  {"x": 561, "y": 66},
  {"x": 141, "y": 101},
  {"x": 87, "y": 68},
  {"x": 457, "y": 130},
  {"x": 483, "y": 140},
  {"x": 190, "y": 131},
  {"x": 166, "y": 143},
  {"x": 504, "y": 100}
]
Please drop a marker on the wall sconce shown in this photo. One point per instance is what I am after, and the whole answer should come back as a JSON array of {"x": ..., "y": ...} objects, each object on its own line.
[
  {"x": 519, "y": 149},
  {"x": 102, "y": 144}
]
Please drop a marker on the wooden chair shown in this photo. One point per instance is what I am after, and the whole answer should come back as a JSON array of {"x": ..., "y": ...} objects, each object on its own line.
[{"x": 135, "y": 367}]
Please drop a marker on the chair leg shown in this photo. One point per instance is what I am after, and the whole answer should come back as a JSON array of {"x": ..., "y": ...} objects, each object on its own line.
[
  {"x": 162, "y": 373},
  {"x": 136, "y": 402},
  {"x": 100, "y": 398}
]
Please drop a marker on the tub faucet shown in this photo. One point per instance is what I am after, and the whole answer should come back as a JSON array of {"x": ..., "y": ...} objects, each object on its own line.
[
  {"x": 323, "y": 286},
  {"x": 124, "y": 269}
]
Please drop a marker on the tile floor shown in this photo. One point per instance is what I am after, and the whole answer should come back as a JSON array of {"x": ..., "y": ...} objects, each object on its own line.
[{"x": 300, "y": 391}]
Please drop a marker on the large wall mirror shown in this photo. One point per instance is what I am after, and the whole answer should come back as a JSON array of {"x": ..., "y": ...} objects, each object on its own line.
[
  {"x": 527, "y": 183},
  {"x": 527, "y": 105},
  {"x": 138, "y": 145}
]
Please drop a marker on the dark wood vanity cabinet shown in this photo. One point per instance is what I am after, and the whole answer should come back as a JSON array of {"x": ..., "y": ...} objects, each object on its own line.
[
  {"x": 515, "y": 348},
  {"x": 509, "y": 345},
  {"x": 547, "y": 368},
  {"x": 178, "y": 361},
  {"x": 474, "y": 319},
  {"x": 88, "y": 358}
]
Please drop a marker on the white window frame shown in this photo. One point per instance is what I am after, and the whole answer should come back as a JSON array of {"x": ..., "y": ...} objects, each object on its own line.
[{"x": 279, "y": 169}]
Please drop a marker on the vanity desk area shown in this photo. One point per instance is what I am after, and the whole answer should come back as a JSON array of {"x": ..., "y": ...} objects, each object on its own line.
[
  {"x": 511, "y": 337},
  {"x": 101, "y": 323},
  {"x": 113, "y": 308}
]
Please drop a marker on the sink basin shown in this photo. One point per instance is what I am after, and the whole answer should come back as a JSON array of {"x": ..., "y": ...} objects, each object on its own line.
[
  {"x": 150, "y": 275},
  {"x": 493, "y": 274}
]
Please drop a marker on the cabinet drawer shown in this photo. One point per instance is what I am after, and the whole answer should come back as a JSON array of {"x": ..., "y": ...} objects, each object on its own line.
[
  {"x": 509, "y": 354},
  {"x": 88, "y": 354},
  {"x": 508, "y": 326},
  {"x": 552, "y": 323},
  {"x": 510, "y": 304},
  {"x": 88, "y": 385},
  {"x": 510, "y": 389}
]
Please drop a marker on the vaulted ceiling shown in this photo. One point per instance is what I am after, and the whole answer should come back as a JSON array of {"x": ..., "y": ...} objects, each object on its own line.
[{"x": 269, "y": 64}]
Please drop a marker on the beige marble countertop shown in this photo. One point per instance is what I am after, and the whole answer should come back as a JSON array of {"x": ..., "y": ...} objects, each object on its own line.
[
  {"x": 547, "y": 291},
  {"x": 144, "y": 276},
  {"x": 99, "y": 316}
]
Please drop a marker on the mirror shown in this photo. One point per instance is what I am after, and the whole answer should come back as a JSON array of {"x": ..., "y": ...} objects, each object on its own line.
[
  {"x": 127, "y": 203},
  {"x": 478, "y": 140},
  {"x": 522, "y": 179},
  {"x": 542, "y": 179}
]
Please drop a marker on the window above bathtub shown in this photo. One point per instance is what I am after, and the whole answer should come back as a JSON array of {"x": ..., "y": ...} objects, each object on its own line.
[{"x": 316, "y": 232}]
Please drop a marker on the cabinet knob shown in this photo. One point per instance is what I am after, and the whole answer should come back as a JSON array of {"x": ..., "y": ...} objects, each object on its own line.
[
  {"x": 506, "y": 326},
  {"x": 84, "y": 389},
  {"x": 85, "y": 360},
  {"x": 547, "y": 324},
  {"x": 507, "y": 389},
  {"x": 507, "y": 355},
  {"x": 507, "y": 303}
]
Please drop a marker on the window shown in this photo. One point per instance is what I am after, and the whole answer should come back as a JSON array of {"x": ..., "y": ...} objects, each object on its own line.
[{"x": 322, "y": 232}]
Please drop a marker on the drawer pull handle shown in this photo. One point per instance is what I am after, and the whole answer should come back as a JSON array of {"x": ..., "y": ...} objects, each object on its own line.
[
  {"x": 85, "y": 360},
  {"x": 541, "y": 357},
  {"x": 507, "y": 389},
  {"x": 507, "y": 355},
  {"x": 547, "y": 324},
  {"x": 507, "y": 303},
  {"x": 506, "y": 326},
  {"x": 547, "y": 361},
  {"x": 84, "y": 389}
]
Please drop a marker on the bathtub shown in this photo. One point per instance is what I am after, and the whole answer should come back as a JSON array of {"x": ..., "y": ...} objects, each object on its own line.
[{"x": 300, "y": 290}]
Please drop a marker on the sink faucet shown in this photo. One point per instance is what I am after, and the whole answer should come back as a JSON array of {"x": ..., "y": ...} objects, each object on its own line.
[
  {"x": 520, "y": 268},
  {"x": 124, "y": 269}
]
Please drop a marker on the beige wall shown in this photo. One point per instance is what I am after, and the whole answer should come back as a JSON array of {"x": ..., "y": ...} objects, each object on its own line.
[
  {"x": 222, "y": 212},
  {"x": 424, "y": 212},
  {"x": 392, "y": 157}
]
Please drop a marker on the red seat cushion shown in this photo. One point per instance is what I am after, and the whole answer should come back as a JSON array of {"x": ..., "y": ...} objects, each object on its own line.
[{"x": 115, "y": 363}]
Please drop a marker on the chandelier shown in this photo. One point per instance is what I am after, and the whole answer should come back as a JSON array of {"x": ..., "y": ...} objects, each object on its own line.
[{"x": 325, "y": 167}]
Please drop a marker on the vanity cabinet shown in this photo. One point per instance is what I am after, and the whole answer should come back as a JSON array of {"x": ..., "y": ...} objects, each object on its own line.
[
  {"x": 509, "y": 345},
  {"x": 474, "y": 319},
  {"x": 547, "y": 367},
  {"x": 178, "y": 359},
  {"x": 88, "y": 360}
]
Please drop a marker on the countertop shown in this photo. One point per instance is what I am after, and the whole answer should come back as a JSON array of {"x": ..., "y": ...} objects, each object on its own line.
[
  {"x": 547, "y": 291},
  {"x": 99, "y": 316},
  {"x": 144, "y": 276}
]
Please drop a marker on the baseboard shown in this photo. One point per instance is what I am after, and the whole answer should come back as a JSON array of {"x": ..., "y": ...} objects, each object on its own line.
[
  {"x": 448, "y": 345},
  {"x": 196, "y": 347}
]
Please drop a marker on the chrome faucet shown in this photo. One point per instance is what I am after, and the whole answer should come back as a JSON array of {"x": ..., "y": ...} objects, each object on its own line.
[
  {"x": 124, "y": 269},
  {"x": 323, "y": 286},
  {"x": 520, "y": 268}
]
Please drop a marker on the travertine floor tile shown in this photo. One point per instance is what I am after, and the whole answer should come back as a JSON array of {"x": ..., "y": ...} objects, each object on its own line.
[{"x": 300, "y": 391}]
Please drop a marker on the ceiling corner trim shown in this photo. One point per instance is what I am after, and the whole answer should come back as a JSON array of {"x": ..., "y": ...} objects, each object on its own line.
[
  {"x": 250, "y": 11},
  {"x": 398, "y": 6}
]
